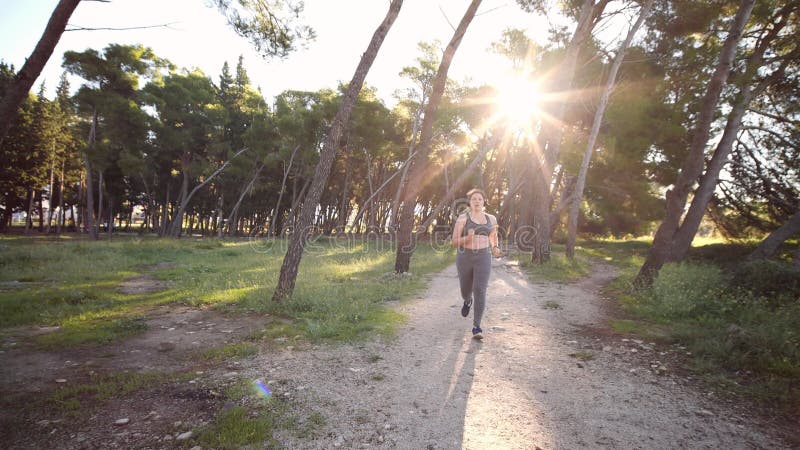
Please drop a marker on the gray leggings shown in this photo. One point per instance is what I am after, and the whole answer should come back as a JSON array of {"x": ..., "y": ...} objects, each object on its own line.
[{"x": 474, "y": 267}]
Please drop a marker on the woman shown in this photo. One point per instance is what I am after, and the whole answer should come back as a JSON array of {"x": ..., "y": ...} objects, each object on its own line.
[{"x": 475, "y": 235}]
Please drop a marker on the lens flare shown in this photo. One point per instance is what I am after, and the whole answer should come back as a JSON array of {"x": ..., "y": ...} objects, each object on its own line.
[
  {"x": 261, "y": 389},
  {"x": 517, "y": 100}
]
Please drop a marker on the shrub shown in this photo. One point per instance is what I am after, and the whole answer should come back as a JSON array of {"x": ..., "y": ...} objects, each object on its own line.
[
  {"x": 775, "y": 282},
  {"x": 686, "y": 290}
]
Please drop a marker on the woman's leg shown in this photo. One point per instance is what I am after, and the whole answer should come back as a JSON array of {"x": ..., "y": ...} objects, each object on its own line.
[
  {"x": 464, "y": 266},
  {"x": 482, "y": 270}
]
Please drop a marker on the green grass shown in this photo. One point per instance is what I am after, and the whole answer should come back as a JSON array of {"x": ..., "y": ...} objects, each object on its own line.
[
  {"x": 74, "y": 398},
  {"x": 254, "y": 420},
  {"x": 740, "y": 321},
  {"x": 237, "y": 427},
  {"x": 238, "y": 350},
  {"x": 559, "y": 269},
  {"x": 340, "y": 294}
]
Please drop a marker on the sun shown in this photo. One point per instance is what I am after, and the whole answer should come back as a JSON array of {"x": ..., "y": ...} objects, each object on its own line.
[{"x": 517, "y": 100}]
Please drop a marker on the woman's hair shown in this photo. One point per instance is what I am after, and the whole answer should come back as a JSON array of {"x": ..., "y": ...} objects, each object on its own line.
[{"x": 474, "y": 191}]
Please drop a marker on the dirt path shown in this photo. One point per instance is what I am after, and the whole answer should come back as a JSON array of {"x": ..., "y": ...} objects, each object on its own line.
[{"x": 536, "y": 381}]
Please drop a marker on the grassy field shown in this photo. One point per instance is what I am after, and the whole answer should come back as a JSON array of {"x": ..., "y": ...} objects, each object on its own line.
[{"x": 75, "y": 284}]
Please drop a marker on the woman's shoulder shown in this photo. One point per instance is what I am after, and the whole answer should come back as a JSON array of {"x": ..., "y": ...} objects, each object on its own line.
[
  {"x": 461, "y": 217},
  {"x": 492, "y": 218}
]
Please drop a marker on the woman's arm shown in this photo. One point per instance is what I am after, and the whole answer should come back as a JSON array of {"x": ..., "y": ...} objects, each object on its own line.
[
  {"x": 493, "y": 239},
  {"x": 458, "y": 240}
]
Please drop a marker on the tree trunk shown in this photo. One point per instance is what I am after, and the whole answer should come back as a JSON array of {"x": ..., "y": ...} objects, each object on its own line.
[
  {"x": 419, "y": 174},
  {"x": 80, "y": 223},
  {"x": 415, "y": 128},
  {"x": 682, "y": 240},
  {"x": 40, "y": 208},
  {"x": 176, "y": 224},
  {"x": 61, "y": 213},
  {"x": 368, "y": 201},
  {"x": 24, "y": 79},
  {"x": 150, "y": 207},
  {"x": 52, "y": 187},
  {"x": 392, "y": 219},
  {"x": 99, "y": 201},
  {"x": 90, "y": 220},
  {"x": 220, "y": 221},
  {"x": 247, "y": 189},
  {"x": 294, "y": 209},
  {"x": 175, "y": 228},
  {"x": 551, "y": 135},
  {"x": 572, "y": 221},
  {"x": 162, "y": 230},
  {"x": 110, "y": 229},
  {"x": 29, "y": 212},
  {"x": 291, "y": 261},
  {"x": 693, "y": 164},
  {"x": 272, "y": 229},
  {"x": 770, "y": 244},
  {"x": 365, "y": 206},
  {"x": 343, "y": 203}
]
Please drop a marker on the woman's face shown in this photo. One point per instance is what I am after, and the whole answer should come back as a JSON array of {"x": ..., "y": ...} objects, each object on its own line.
[{"x": 476, "y": 201}]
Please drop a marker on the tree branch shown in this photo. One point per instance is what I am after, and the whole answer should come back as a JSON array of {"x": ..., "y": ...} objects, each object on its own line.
[{"x": 80, "y": 28}]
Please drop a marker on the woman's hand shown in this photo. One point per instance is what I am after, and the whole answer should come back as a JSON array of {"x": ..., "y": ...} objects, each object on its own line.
[
  {"x": 496, "y": 252},
  {"x": 469, "y": 239}
]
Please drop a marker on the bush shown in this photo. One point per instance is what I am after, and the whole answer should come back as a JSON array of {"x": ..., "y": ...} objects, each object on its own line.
[
  {"x": 775, "y": 282},
  {"x": 687, "y": 290}
]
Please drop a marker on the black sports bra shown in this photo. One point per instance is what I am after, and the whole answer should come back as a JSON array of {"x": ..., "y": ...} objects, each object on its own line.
[{"x": 481, "y": 229}]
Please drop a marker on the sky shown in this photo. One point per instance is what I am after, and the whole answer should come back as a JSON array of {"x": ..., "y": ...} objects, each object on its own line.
[{"x": 198, "y": 36}]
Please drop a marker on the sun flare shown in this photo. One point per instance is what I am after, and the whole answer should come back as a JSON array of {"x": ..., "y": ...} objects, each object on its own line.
[{"x": 517, "y": 100}]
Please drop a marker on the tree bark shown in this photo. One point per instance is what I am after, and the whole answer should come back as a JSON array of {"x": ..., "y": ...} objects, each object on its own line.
[
  {"x": 291, "y": 261},
  {"x": 418, "y": 176},
  {"x": 770, "y": 244},
  {"x": 575, "y": 206},
  {"x": 693, "y": 164},
  {"x": 21, "y": 85}
]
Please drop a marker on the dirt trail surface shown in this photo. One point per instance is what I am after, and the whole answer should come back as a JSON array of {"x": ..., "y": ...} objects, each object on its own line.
[{"x": 537, "y": 380}]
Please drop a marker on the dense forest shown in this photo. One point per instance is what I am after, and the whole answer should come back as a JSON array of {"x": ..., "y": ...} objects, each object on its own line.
[{"x": 689, "y": 124}]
